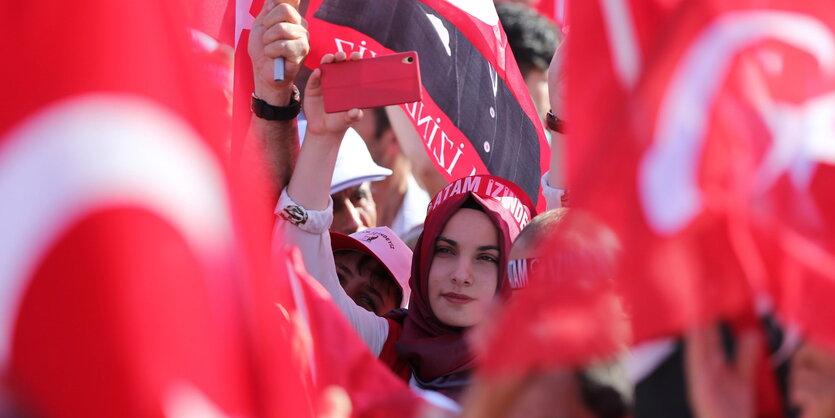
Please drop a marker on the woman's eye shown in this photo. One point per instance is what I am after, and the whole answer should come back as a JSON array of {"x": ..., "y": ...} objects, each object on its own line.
[
  {"x": 490, "y": 258},
  {"x": 341, "y": 279},
  {"x": 443, "y": 250}
]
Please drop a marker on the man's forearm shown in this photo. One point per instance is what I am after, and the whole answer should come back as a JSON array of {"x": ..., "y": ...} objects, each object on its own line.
[{"x": 278, "y": 144}]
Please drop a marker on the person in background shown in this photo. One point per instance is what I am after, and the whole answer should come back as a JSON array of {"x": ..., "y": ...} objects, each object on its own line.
[
  {"x": 401, "y": 202},
  {"x": 354, "y": 208},
  {"x": 373, "y": 267},
  {"x": 533, "y": 40},
  {"x": 372, "y": 263},
  {"x": 562, "y": 270}
]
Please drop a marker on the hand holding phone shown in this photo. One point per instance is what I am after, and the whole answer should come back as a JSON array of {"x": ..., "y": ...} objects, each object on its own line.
[{"x": 371, "y": 82}]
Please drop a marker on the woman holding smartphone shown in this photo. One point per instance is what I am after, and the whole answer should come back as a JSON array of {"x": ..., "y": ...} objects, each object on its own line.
[{"x": 458, "y": 268}]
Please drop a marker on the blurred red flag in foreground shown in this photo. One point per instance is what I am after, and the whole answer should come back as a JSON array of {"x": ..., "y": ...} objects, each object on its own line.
[
  {"x": 118, "y": 252},
  {"x": 567, "y": 314},
  {"x": 702, "y": 134},
  {"x": 130, "y": 284}
]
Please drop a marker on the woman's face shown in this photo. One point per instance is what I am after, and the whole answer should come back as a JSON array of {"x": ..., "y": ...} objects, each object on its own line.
[{"x": 465, "y": 269}]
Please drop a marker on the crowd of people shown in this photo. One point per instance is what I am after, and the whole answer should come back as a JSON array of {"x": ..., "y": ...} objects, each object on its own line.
[
  {"x": 463, "y": 292},
  {"x": 417, "y": 275}
]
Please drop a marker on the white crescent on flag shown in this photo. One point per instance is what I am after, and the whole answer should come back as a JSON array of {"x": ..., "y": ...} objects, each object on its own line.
[
  {"x": 668, "y": 173},
  {"x": 91, "y": 152}
]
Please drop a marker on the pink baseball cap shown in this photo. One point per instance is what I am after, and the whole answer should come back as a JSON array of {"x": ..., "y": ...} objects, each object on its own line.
[{"x": 384, "y": 245}]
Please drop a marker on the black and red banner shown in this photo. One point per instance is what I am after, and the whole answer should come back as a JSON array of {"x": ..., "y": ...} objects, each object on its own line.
[{"x": 476, "y": 116}]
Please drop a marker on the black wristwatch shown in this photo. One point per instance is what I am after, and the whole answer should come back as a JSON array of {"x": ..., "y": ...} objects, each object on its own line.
[{"x": 267, "y": 111}]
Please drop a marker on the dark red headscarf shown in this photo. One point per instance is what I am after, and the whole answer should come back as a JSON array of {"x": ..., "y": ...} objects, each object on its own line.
[{"x": 438, "y": 353}]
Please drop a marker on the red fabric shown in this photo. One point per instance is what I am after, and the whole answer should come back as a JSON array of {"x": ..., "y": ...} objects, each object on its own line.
[
  {"x": 215, "y": 18},
  {"x": 338, "y": 356},
  {"x": 556, "y": 10},
  {"x": 568, "y": 315},
  {"x": 244, "y": 83},
  {"x": 125, "y": 302},
  {"x": 122, "y": 312},
  {"x": 388, "y": 355},
  {"x": 432, "y": 348},
  {"x": 692, "y": 257}
]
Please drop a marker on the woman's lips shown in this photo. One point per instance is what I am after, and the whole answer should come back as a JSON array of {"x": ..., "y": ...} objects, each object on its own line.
[{"x": 457, "y": 298}]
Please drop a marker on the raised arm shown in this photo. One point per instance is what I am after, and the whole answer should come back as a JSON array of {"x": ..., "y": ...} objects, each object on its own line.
[
  {"x": 310, "y": 184},
  {"x": 306, "y": 210},
  {"x": 278, "y": 31}
]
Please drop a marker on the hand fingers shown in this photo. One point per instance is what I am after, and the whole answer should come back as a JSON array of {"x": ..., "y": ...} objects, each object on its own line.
[
  {"x": 294, "y": 3},
  {"x": 284, "y": 31},
  {"x": 265, "y": 10},
  {"x": 314, "y": 82},
  {"x": 327, "y": 59},
  {"x": 340, "y": 56},
  {"x": 353, "y": 115},
  {"x": 282, "y": 13},
  {"x": 355, "y": 56},
  {"x": 293, "y": 50}
]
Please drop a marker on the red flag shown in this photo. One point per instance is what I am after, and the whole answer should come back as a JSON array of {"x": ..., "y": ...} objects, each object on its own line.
[
  {"x": 476, "y": 116},
  {"x": 567, "y": 314},
  {"x": 556, "y": 10},
  {"x": 338, "y": 357},
  {"x": 681, "y": 142},
  {"x": 118, "y": 247}
]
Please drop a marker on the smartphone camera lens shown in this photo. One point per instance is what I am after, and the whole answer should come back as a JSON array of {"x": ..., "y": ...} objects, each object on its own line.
[{"x": 410, "y": 60}]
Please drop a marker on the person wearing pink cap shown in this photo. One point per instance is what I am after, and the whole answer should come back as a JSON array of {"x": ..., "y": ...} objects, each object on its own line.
[{"x": 372, "y": 266}]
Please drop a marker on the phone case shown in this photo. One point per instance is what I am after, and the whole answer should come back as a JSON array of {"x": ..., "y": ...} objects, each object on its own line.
[{"x": 371, "y": 82}]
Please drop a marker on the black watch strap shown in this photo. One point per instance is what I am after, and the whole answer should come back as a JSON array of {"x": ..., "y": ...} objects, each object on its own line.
[
  {"x": 554, "y": 123},
  {"x": 267, "y": 111}
]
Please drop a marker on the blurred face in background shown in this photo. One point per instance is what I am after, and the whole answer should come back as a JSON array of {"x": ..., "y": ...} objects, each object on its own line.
[
  {"x": 367, "y": 282},
  {"x": 354, "y": 209}
]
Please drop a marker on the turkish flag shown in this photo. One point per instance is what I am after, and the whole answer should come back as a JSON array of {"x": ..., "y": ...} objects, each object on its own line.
[
  {"x": 556, "y": 10},
  {"x": 129, "y": 282},
  {"x": 697, "y": 135}
]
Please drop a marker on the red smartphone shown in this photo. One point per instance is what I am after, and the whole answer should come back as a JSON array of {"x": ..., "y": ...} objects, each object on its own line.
[{"x": 371, "y": 82}]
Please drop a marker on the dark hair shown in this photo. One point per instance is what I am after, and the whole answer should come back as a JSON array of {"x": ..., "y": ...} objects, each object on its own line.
[
  {"x": 470, "y": 203},
  {"x": 603, "y": 399},
  {"x": 532, "y": 38}
]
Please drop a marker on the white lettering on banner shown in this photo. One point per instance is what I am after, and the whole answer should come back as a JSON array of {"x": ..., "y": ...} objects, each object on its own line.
[
  {"x": 441, "y": 148},
  {"x": 348, "y": 47},
  {"x": 668, "y": 172},
  {"x": 517, "y": 274},
  {"x": 471, "y": 184},
  {"x": 491, "y": 190}
]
